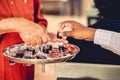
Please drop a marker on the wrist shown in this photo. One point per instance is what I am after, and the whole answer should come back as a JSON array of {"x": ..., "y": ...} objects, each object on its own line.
[
  {"x": 91, "y": 34},
  {"x": 7, "y": 25}
]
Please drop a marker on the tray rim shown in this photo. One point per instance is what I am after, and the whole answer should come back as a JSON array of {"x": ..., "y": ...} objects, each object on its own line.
[{"x": 37, "y": 61}]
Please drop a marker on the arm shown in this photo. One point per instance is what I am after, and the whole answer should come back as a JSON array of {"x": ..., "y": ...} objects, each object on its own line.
[
  {"x": 107, "y": 39},
  {"x": 8, "y": 25},
  {"x": 30, "y": 32}
]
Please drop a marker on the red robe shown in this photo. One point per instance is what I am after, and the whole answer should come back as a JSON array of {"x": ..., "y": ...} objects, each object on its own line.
[{"x": 17, "y": 8}]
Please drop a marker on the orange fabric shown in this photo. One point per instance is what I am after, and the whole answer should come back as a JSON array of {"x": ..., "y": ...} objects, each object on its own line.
[{"x": 17, "y": 8}]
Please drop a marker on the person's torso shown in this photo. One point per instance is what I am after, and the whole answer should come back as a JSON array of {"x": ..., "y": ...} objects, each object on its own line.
[{"x": 19, "y": 9}]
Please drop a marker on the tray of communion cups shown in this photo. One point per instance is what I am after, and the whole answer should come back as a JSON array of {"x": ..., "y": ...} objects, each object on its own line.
[{"x": 51, "y": 52}]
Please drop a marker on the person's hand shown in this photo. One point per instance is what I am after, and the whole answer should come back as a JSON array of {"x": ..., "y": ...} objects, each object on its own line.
[
  {"x": 53, "y": 38},
  {"x": 78, "y": 31},
  {"x": 31, "y": 33}
]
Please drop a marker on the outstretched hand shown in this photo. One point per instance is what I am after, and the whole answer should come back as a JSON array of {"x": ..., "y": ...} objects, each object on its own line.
[
  {"x": 78, "y": 31},
  {"x": 53, "y": 38}
]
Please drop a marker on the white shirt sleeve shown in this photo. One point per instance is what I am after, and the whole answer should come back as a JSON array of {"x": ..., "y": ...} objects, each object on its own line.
[{"x": 108, "y": 39}]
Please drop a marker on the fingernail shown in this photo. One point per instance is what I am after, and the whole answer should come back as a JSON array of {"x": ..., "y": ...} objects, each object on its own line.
[{"x": 60, "y": 34}]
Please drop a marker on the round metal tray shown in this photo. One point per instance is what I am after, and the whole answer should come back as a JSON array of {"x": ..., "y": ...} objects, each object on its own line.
[{"x": 13, "y": 49}]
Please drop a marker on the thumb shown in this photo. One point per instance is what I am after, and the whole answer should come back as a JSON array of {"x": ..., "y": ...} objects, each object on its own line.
[{"x": 66, "y": 33}]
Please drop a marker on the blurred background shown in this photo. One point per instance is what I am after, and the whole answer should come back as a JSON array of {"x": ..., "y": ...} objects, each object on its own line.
[
  {"x": 56, "y": 11},
  {"x": 83, "y": 11}
]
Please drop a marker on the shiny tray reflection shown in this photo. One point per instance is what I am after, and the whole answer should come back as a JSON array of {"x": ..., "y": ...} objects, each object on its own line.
[{"x": 12, "y": 50}]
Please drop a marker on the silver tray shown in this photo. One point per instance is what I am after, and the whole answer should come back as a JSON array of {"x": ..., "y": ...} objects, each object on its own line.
[{"x": 12, "y": 50}]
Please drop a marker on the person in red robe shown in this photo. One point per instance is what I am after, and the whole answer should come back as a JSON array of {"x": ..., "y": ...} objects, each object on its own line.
[{"x": 20, "y": 21}]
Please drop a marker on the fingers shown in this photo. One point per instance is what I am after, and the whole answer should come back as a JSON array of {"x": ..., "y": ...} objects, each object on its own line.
[
  {"x": 44, "y": 38},
  {"x": 52, "y": 37},
  {"x": 32, "y": 41},
  {"x": 36, "y": 40},
  {"x": 66, "y": 33},
  {"x": 64, "y": 24},
  {"x": 61, "y": 27},
  {"x": 27, "y": 43}
]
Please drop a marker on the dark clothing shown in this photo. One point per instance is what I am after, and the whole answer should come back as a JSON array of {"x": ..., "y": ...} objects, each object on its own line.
[{"x": 91, "y": 53}]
